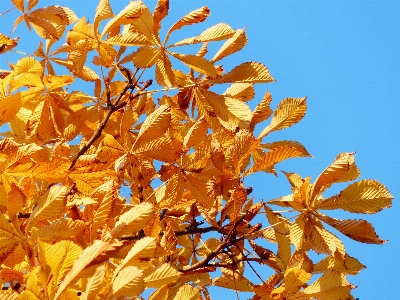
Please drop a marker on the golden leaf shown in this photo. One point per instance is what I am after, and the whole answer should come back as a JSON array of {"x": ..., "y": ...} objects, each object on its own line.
[
  {"x": 132, "y": 11},
  {"x": 59, "y": 258},
  {"x": 187, "y": 292},
  {"x": 50, "y": 205},
  {"x": 155, "y": 125},
  {"x": 365, "y": 196},
  {"x": 59, "y": 229},
  {"x": 128, "y": 282},
  {"x": 93, "y": 255},
  {"x": 196, "y": 133},
  {"x": 359, "y": 230},
  {"x": 164, "y": 73},
  {"x": 129, "y": 39},
  {"x": 232, "y": 45},
  {"x": 288, "y": 112},
  {"x": 240, "y": 91},
  {"x": 331, "y": 286},
  {"x": 19, "y": 4},
  {"x": 161, "y": 275},
  {"x": 234, "y": 282},
  {"x": 248, "y": 72},
  {"x": 217, "y": 32},
  {"x": 160, "y": 12},
  {"x": 341, "y": 170},
  {"x": 196, "y": 16},
  {"x": 95, "y": 283},
  {"x": 133, "y": 220},
  {"x": 7, "y": 43},
  {"x": 197, "y": 63},
  {"x": 279, "y": 151},
  {"x": 347, "y": 265},
  {"x": 103, "y": 12},
  {"x": 146, "y": 57},
  {"x": 262, "y": 111}
]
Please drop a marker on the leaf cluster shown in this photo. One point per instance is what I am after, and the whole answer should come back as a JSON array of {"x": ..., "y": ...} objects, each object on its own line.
[{"x": 66, "y": 230}]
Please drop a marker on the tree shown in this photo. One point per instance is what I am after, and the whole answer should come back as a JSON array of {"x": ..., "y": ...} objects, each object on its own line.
[{"x": 67, "y": 232}]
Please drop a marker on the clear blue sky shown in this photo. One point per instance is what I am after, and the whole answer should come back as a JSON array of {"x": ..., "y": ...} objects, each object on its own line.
[{"x": 343, "y": 55}]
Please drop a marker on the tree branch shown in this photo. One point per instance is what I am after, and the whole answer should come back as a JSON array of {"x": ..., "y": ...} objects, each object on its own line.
[{"x": 113, "y": 108}]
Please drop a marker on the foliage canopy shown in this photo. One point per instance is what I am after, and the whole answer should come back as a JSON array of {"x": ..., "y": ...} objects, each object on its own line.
[{"x": 66, "y": 231}]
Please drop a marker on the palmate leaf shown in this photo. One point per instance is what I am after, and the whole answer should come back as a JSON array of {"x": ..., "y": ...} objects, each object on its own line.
[
  {"x": 288, "y": 112},
  {"x": 232, "y": 45}
]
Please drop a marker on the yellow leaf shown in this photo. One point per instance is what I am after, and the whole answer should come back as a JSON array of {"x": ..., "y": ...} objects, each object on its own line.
[
  {"x": 196, "y": 133},
  {"x": 331, "y": 286},
  {"x": 95, "y": 254},
  {"x": 197, "y": 63},
  {"x": 164, "y": 72},
  {"x": 322, "y": 241},
  {"x": 234, "y": 282},
  {"x": 162, "y": 149},
  {"x": 288, "y": 112},
  {"x": 146, "y": 57},
  {"x": 143, "y": 250},
  {"x": 133, "y": 220},
  {"x": 9, "y": 295},
  {"x": 262, "y": 111},
  {"x": 129, "y": 282},
  {"x": 129, "y": 39},
  {"x": 187, "y": 292},
  {"x": 9, "y": 107},
  {"x": 131, "y": 11},
  {"x": 248, "y": 72},
  {"x": 365, "y": 196},
  {"x": 103, "y": 12},
  {"x": 55, "y": 14},
  {"x": 82, "y": 31},
  {"x": 217, "y": 32},
  {"x": 347, "y": 265},
  {"x": 240, "y": 91},
  {"x": 95, "y": 283},
  {"x": 232, "y": 45},
  {"x": 163, "y": 274},
  {"x": 196, "y": 16},
  {"x": 59, "y": 229},
  {"x": 359, "y": 230},
  {"x": 19, "y": 4},
  {"x": 294, "y": 278},
  {"x": 160, "y": 12},
  {"x": 59, "y": 257},
  {"x": 279, "y": 151},
  {"x": 7, "y": 43},
  {"x": 50, "y": 205},
  {"x": 341, "y": 170},
  {"x": 155, "y": 124},
  {"x": 28, "y": 65}
]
